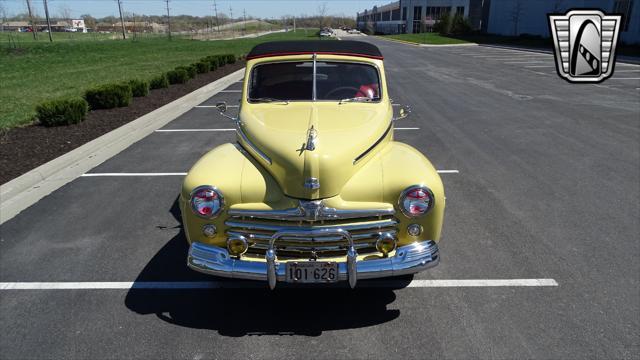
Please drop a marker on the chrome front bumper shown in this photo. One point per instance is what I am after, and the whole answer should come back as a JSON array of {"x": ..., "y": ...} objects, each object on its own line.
[{"x": 408, "y": 259}]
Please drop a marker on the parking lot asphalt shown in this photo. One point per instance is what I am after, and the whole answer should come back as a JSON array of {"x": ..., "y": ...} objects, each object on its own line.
[{"x": 547, "y": 187}]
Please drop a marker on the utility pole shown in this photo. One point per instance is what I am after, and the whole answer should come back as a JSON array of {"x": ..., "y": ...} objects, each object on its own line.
[
  {"x": 33, "y": 25},
  {"x": 46, "y": 13},
  {"x": 215, "y": 9},
  {"x": 244, "y": 21},
  {"x": 124, "y": 33},
  {"x": 294, "y": 24},
  {"x": 168, "y": 19},
  {"x": 231, "y": 17}
]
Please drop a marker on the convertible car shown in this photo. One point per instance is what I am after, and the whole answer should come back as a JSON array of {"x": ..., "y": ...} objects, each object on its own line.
[{"x": 315, "y": 189}]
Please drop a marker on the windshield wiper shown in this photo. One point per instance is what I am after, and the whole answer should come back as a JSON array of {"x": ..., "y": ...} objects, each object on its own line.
[
  {"x": 355, "y": 99},
  {"x": 268, "y": 100}
]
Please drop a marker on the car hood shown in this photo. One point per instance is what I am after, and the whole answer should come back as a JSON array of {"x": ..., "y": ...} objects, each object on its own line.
[{"x": 342, "y": 133}]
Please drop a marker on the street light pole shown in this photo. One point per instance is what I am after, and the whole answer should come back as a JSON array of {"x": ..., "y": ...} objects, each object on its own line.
[
  {"x": 168, "y": 19},
  {"x": 46, "y": 13},
  {"x": 124, "y": 34},
  {"x": 33, "y": 25}
]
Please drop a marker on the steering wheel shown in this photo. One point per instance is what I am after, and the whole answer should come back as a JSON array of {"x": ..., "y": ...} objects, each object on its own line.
[{"x": 354, "y": 90}]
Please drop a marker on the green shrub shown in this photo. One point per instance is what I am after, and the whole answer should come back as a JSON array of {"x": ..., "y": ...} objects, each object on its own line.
[
  {"x": 203, "y": 67},
  {"x": 62, "y": 111},
  {"x": 109, "y": 96},
  {"x": 229, "y": 58},
  {"x": 139, "y": 87},
  {"x": 191, "y": 70},
  {"x": 159, "y": 82},
  {"x": 213, "y": 62},
  {"x": 178, "y": 76}
]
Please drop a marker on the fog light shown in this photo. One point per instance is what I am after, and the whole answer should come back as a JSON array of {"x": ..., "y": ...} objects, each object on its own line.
[
  {"x": 209, "y": 230},
  {"x": 386, "y": 243},
  {"x": 414, "y": 229},
  {"x": 237, "y": 245}
]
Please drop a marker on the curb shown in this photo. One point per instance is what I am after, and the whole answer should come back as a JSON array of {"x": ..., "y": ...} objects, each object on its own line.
[
  {"x": 27, "y": 189},
  {"x": 425, "y": 45}
]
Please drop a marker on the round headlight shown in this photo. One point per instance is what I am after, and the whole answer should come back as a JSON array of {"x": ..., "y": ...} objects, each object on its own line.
[
  {"x": 416, "y": 201},
  {"x": 206, "y": 201}
]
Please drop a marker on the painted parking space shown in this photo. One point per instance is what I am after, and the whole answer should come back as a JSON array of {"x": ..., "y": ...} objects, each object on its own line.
[{"x": 518, "y": 276}]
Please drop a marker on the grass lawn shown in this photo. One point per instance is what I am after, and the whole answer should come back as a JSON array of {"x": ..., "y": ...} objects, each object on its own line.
[
  {"x": 426, "y": 38},
  {"x": 31, "y": 72}
]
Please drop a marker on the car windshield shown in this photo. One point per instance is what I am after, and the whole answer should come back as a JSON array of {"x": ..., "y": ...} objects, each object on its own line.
[{"x": 291, "y": 81}]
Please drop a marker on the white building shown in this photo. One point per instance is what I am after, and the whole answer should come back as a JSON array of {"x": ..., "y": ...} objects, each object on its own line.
[
  {"x": 517, "y": 17},
  {"x": 502, "y": 17}
]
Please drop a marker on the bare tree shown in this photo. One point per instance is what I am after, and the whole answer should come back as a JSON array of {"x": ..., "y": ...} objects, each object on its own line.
[
  {"x": 65, "y": 13},
  {"x": 516, "y": 14},
  {"x": 322, "y": 15}
]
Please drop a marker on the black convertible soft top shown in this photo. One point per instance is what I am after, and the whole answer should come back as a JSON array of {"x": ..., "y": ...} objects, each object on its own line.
[{"x": 344, "y": 47}]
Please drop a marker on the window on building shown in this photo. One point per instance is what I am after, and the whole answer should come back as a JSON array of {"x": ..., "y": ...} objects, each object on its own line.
[
  {"x": 417, "y": 15},
  {"x": 404, "y": 13},
  {"x": 386, "y": 16},
  {"x": 436, "y": 12},
  {"x": 395, "y": 15},
  {"x": 623, "y": 7},
  {"x": 460, "y": 10}
]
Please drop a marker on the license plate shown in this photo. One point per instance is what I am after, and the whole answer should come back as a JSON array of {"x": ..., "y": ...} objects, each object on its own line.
[{"x": 312, "y": 272}]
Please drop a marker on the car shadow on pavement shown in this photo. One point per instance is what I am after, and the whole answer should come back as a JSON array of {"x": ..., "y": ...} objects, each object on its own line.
[{"x": 255, "y": 310}]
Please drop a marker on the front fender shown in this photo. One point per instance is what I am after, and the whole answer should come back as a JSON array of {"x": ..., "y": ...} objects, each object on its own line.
[
  {"x": 385, "y": 176},
  {"x": 241, "y": 180}
]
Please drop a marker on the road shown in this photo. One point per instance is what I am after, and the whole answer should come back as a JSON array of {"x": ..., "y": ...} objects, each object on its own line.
[{"x": 547, "y": 187}]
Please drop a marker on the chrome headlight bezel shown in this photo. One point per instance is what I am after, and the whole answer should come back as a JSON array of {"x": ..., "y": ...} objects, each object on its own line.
[
  {"x": 193, "y": 207},
  {"x": 403, "y": 196}
]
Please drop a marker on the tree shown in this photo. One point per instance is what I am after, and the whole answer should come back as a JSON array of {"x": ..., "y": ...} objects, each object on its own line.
[
  {"x": 322, "y": 15},
  {"x": 89, "y": 21},
  {"x": 65, "y": 13}
]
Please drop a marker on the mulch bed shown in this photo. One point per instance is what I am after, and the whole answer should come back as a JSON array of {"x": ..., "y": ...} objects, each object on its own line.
[{"x": 25, "y": 148}]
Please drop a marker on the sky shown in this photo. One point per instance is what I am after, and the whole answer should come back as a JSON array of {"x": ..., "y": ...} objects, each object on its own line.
[{"x": 255, "y": 8}]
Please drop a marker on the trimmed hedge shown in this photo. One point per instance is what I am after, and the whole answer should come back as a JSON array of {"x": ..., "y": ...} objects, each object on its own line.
[
  {"x": 191, "y": 70},
  {"x": 62, "y": 111},
  {"x": 139, "y": 87},
  {"x": 159, "y": 82},
  {"x": 178, "y": 76},
  {"x": 229, "y": 58},
  {"x": 109, "y": 96},
  {"x": 203, "y": 67},
  {"x": 212, "y": 60}
]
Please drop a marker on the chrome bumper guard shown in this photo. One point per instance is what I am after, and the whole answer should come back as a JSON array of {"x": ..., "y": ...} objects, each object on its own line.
[{"x": 408, "y": 259}]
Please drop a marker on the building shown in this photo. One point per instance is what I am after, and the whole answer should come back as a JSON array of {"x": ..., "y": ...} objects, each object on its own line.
[
  {"x": 517, "y": 17},
  {"x": 413, "y": 16},
  {"x": 501, "y": 17}
]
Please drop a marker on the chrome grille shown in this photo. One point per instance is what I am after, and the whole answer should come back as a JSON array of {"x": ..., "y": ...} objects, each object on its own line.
[{"x": 258, "y": 231}]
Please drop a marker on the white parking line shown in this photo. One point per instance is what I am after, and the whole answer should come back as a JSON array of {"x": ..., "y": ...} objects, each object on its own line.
[
  {"x": 124, "y": 174},
  {"x": 407, "y": 128},
  {"x": 213, "y": 106},
  {"x": 526, "y": 62},
  {"x": 448, "y": 171},
  {"x": 190, "y": 130},
  {"x": 539, "y": 66},
  {"x": 178, "y": 285},
  {"x": 617, "y": 78},
  {"x": 617, "y": 71},
  {"x": 133, "y": 174}
]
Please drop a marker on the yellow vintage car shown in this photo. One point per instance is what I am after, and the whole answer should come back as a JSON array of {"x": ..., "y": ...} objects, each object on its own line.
[{"x": 315, "y": 189}]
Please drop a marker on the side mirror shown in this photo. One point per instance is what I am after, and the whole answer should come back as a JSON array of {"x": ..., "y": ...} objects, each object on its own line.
[
  {"x": 404, "y": 111},
  {"x": 222, "y": 107}
]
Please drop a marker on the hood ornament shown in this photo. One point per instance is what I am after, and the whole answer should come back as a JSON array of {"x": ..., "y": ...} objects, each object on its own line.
[{"x": 311, "y": 139}]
